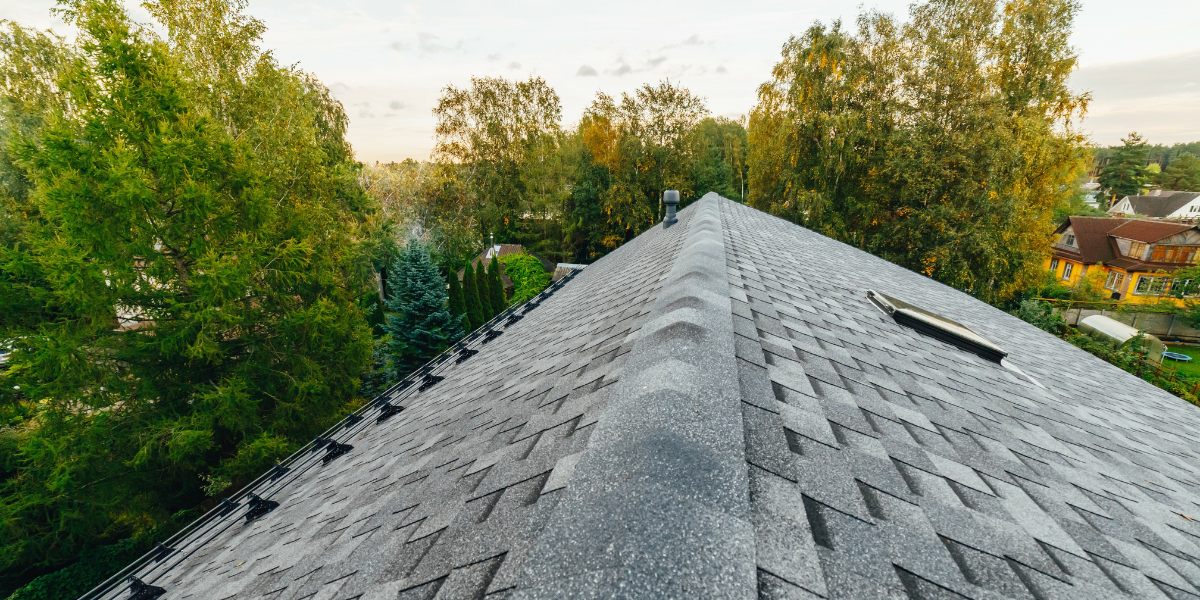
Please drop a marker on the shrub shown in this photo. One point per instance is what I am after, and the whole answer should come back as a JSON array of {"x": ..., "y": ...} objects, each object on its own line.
[{"x": 528, "y": 275}]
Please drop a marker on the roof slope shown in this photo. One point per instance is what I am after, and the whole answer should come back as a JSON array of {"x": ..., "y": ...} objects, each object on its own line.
[
  {"x": 716, "y": 410},
  {"x": 1091, "y": 237},
  {"x": 1148, "y": 231},
  {"x": 1160, "y": 205}
]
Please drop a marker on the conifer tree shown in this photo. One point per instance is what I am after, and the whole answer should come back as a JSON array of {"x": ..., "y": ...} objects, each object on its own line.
[
  {"x": 471, "y": 297},
  {"x": 421, "y": 325},
  {"x": 499, "y": 302},
  {"x": 485, "y": 295},
  {"x": 458, "y": 308}
]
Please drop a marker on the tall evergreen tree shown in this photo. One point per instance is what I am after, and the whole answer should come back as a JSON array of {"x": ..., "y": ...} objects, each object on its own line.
[
  {"x": 1126, "y": 172},
  {"x": 471, "y": 297},
  {"x": 421, "y": 325},
  {"x": 485, "y": 294},
  {"x": 499, "y": 302},
  {"x": 458, "y": 308}
]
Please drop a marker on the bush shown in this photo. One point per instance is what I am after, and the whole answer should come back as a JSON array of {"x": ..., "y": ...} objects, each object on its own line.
[
  {"x": 528, "y": 275},
  {"x": 76, "y": 579}
]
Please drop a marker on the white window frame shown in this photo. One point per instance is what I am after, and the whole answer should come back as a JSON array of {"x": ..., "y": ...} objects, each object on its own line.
[{"x": 1067, "y": 271}]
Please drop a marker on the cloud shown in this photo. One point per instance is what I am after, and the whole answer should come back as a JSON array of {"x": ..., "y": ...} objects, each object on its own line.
[
  {"x": 339, "y": 87},
  {"x": 428, "y": 43},
  {"x": 623, "y": 70},
  {"x": 586, "y": 71},
  {"x": 399, "y": 46},
  {"x": 1158, "y": 76},
  {"x": 493, "y": 57},
  {"x": 722, "y": 69},
  {"x": 654, "y": 62},
  {"x": 692, "y": 40},
  {"x": 514, "y": 65},
  {"x": 396, "y": 105}
]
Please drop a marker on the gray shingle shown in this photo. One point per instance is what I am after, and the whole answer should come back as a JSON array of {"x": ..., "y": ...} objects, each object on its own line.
[{"x": 716, "y": 410}]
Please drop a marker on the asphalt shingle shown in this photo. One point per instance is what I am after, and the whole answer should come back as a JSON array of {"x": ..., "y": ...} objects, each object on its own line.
[{"x": 717, "y": 410}]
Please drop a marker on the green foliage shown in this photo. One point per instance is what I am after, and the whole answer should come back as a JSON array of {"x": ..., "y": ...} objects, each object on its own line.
[
  {"x": 421, "y": 325},
  {"x": 1130, "y": 357},
  {"x": 528, "y": 275},
  {"x": 496, "y": 284},
  {"x": 499, "y": 128},
  {"x": 192, "y": 245},
  {"x": 458, "y": 307},
  {"x": 471, "y": 297},
  {"x": 81, "y": 576},
  {"x": 943, "y": 144},
  {"x": 1183, "y": 174},
  {"x": 483, "y": 286},
  {"x": 1125, "y": 173}
]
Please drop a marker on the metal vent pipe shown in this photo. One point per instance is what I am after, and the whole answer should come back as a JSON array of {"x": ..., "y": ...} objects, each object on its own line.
[{"x": 671, "y": 200}]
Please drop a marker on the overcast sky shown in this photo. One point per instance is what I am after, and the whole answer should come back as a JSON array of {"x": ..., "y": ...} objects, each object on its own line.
[{"x": 388, "y": 60}]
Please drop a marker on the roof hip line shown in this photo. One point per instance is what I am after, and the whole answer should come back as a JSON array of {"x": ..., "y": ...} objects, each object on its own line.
[{"x": 658, "y": 505}]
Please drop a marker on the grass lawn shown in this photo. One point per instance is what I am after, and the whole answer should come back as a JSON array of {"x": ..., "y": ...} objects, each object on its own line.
[{"x": 1191, "y": 369}]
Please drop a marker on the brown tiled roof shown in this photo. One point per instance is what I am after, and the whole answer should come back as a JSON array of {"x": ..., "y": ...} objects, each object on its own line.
[
  {"x": 1091, "y": 237},
  {"x": 1140, "y": 266},
  {"x": 1148, "y": 231}
]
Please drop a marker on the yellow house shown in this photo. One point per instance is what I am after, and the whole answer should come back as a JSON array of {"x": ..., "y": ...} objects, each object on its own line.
[{"x": 1135, "y": 255}]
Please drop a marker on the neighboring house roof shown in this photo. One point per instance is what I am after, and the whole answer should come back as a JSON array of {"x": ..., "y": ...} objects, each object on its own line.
[
  {"x": 716, "y": 410},
  {"x": 1148, "y": 231},
  {"x": 1091, "y": 238},
  {"x": 1158, "y": 205}
]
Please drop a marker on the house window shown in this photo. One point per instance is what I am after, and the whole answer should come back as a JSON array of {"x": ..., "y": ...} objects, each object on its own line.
[
  {"x": 1174, "y": 254},
  {"x": 1067, "y": 271},
  {"x": 1054, "y": 265},
  {"x": 1070, "y": 240},
  {"x": 1137, "y": 250},
  {"x": 1114, "y": 281},
  {"x": 1154, "y": 286}
]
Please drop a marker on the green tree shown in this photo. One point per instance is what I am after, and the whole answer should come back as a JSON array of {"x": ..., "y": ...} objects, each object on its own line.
[
  {"x": 458, "y": 307},
  {"x": 483, "y": 286},
  {"x": 1183, "y": 174},
  {"x": 195, "y": 264},
  {"x": 499, "y": 301},
  {"x": 528, "y": 275},
  {"x": 471, "y": 297},
  {"x": 1125, "y": 174},
  {"x": 943, "y": 144},
  {"x": 421, "y": 324},
  {"x": 498, "y": 128}
]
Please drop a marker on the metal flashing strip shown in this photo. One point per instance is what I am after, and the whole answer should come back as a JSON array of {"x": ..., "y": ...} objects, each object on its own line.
[{"x": 141, "y": 574}]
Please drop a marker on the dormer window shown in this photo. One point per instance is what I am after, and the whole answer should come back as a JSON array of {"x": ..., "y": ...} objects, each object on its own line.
[
  {"x": 1070, "y": 240},
  {"x": 1174, "y": 254},
  {"x": 1137, "y": 250}
]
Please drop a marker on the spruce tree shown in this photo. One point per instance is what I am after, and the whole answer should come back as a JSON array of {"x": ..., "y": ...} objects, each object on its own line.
[
  {"x": 499, "y": 301},
  {"x": 421, "y": 325},
  {"x": 471, "y": 297},
  {"x": 485, "y": 294},
  {"x": 458, "y": 307}
]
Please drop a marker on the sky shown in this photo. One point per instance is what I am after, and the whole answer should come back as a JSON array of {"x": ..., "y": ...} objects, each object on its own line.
[{"x": 387, "y": 61}]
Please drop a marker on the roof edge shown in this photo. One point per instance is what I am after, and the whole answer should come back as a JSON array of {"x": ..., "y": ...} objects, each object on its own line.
[{"x": 659, "y": 501}]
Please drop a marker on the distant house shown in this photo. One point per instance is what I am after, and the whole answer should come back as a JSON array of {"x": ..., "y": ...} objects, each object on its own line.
[
  {"x": 1160, "y": 204},
  {"x": 1136, "y": 255}
]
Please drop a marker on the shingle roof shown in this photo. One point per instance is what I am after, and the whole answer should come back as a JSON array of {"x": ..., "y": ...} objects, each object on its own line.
[
  {"x": 716, "y": 410},
  {"x": 1161, "y": 204}
]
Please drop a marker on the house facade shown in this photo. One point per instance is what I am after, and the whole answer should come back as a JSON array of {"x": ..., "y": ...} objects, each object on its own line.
[
  {"x": 1135, "y": 256},
  {"x": 1160, "y": 204}
]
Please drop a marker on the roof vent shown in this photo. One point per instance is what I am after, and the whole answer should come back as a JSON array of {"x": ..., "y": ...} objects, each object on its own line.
[
  {"x": 143, "y": 591},
  {"x": 670, "y": 200},
  {"x": 937, "y": 326}
]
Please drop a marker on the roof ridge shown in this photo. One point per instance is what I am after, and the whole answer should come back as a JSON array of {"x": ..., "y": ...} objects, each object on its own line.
[{"x": 667, "y": 461}]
